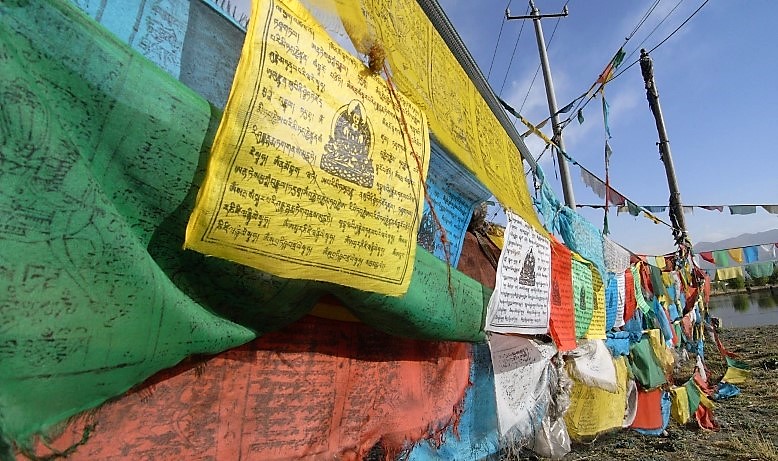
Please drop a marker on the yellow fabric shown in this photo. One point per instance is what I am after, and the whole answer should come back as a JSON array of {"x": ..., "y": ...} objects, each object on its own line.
[
  {"x": 597, "y": 326},
  {"x": 736, "y": 375},
  {"x": 736, "y": 254},
  {"x": 594, "y": 410},
  {"x": 728, "y": 273},
  {"x": 316, "y": 170},
  {"x": 662, "y": 352},
  {"x": 424, "y": 68},
  {"x": 497, "y": 235},
  {"x": 679, "y": 408},
  {"x": 660, "y": 262}
]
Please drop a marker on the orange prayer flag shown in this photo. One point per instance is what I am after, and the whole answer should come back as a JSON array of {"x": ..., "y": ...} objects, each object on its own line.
[{"x": 562, "y": 321}]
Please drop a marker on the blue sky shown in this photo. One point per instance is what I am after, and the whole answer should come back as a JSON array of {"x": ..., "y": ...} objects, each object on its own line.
[
  {"x": 717, "y": 85},
  {"x": 716, "y": 79}
]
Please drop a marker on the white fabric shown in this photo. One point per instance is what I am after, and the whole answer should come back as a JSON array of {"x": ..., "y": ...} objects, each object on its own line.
[
  {"x": 616, "y": 257},
  {"x": 522, "y": 383},
  {"x": 520, "y": 302},
  {"x": 621, "y": 282},
  {"x": 593, "y": 365}
]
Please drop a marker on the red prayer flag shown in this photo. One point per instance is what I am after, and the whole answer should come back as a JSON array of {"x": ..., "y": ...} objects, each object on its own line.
[
  {"x": 649, "y": 414},
  {"x": 630, "y": 302},
  {"x": 708, "y": 256},
  {"x": 562, "y": 321}
]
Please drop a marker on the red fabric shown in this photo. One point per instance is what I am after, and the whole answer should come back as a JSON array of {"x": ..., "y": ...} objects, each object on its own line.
[
  {"x": 474, "y": 263},
  {"x": 702, "y": 384},
  {"x": 562, "y": 321},
  {"x": 708, "y": 256},
  {"x": 704, "y": 417},
  {"x": 645, "y": 281},
  {"x": 630, "y": 302},
  {"x": 649, "y": 412},
  {"x": 319, "y": 389}
]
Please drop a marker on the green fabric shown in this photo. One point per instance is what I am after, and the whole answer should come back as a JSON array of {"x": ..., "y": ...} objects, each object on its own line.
[
  {"x": 583, "y": 297},
  {"x": 644, "y": 364},
  {"x": 658, "y": 284},
  {"x": 429, "y": 310},
  {"x": 732, "y": 362},
  {"x": 721, "y": 258},
  {"x": 763, "y": 269},
  {"x": 693, "y": 394},
  {"x": 99, "y": 147},
  {"x": 641, "y": 300}
]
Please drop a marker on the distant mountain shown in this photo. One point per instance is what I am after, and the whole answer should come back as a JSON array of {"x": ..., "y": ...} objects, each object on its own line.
[{"x": 742, "y": 240}]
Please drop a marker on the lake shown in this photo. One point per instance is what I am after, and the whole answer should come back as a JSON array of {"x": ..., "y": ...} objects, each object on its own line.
[{"x": 746, "y": 309}]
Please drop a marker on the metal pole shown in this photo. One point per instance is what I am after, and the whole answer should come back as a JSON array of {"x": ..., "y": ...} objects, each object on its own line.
[
  {"x": 564, "y": 171},
  {"x": 678, "y": 221}
]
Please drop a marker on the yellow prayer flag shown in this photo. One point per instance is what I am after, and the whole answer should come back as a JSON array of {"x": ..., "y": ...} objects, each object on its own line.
[
  {"x": 736, "y": 375},
  {"x": 460, "y": 119},
  {"x": 594, "y": 410},
  {"x": 679, "y": 408},
  {"x": 736, "y": 254},
  {"x": 317, "y": 167},
  {"x": 597, "y": 326}
]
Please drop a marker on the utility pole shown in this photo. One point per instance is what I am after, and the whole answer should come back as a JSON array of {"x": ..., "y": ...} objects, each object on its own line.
[
  {"x": 564, "y": 171},
  {"x": 676, "y": 210}
]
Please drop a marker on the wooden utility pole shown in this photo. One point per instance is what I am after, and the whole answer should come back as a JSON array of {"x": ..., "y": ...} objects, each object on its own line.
[
  {"x": 676, "y": 209},
  {"x": 564, "y": 171}
]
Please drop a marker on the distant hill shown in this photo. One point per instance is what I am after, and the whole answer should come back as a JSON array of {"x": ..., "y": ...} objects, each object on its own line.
[{"x": 742, "y": 240}]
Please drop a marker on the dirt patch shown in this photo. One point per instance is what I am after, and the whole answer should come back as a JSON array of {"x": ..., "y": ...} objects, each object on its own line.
[{"x": 749, "y": 421}]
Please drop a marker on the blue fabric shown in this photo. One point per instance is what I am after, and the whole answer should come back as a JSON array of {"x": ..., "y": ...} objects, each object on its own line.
[
  {"x": 582, "y": 237},
  {"x": 478, "y": 430},
  {"x": 454, "y": 193},
  {"x": 617, "y": 343},
  {"x": 635, "y": 326},
  {"x": 546, "y": 202},
  {"x": 666, "y": 403},
  {"x": 663, "y": 323},
  {"x": 674, "y": 315},
  {"x": 750, "y": 254},
  {"x": 725, "y": 391},
  {"x": 611, "y": 301}
]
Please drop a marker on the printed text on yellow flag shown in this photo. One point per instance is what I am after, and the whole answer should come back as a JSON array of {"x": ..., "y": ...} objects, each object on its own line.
[{"x": 313, "y": 173}]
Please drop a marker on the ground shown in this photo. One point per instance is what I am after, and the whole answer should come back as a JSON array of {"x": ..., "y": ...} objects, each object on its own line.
[{"x": 749, "y": 422}]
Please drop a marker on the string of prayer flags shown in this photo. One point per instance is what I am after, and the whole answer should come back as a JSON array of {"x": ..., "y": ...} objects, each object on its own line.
[
  {"x": 742, "y": 209},
  {"x": 602, "y": 189},
  {"x": 562, "y": 323},
  {"x": 520, "y": 302},
  {"x": 313, "y": 175}
]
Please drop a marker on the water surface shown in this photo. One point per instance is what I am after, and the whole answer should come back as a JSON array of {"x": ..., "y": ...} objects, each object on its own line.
[{"x": 746, "y": 309}]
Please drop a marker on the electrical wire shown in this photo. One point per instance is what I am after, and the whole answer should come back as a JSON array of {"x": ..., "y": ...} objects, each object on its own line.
[
  {"x": 513, "y": 54},
  {"x": 497, "y": 45}
]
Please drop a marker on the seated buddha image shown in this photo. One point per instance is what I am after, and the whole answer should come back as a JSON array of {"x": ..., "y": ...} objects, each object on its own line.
[{"x": 347, "y": 153}]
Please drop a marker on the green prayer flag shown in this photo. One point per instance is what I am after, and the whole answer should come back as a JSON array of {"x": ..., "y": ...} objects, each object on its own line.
[{"x": 99, "y": 148}]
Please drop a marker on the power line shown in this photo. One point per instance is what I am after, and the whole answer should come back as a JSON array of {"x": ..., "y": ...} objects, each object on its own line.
[
  {"x": 497, "y": 45},
  {"x": 513, "y": 54}
]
